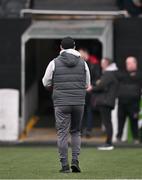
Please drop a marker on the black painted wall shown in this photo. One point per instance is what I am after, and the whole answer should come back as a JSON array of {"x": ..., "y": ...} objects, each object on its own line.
[
  {"x": 10, "y": 51},
  {"x": 127, "y": 40},
  {"x": 11, "y": 31},
  {"x": 95, "y": 5}
]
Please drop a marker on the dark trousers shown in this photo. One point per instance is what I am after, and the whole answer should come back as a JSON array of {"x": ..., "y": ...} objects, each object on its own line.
[
  {"x": 88, "y": 114},
  {"x": 130, "y": 110},
  {"x": 88, "y": 118},
  {"x": 105, "y": 112},
  {"x": 68, "y": 119}
]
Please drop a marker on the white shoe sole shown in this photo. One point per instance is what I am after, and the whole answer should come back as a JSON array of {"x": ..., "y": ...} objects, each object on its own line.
[{"x": 106, "y": 148}]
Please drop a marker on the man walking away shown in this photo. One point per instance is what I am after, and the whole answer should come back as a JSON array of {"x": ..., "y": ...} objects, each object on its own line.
[{"x": 70, "y": 77}]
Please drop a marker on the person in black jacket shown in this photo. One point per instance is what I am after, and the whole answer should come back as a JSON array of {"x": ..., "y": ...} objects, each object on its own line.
[
  {"x": 105, "y": 95},
  {"x": 129, "y": 94}
]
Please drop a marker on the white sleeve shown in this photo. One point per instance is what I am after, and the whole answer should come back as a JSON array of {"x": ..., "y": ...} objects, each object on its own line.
[
  {"x": 88, "y": 78},
  {"x": 47, "y": 79}
]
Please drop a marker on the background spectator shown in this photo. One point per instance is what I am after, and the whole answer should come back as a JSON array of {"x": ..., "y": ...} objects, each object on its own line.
[
  {"x": 129, "y": 97},
  {"x": 134, "y": 7},
  {"x": 95, "y": 70},
  {"x": 105, "y": 89}
]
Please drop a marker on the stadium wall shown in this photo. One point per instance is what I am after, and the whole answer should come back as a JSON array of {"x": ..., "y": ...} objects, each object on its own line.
[{"x": 10, "y": 51}]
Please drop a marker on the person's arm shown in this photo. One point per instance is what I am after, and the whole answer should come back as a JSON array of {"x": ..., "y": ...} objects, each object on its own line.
[
  {"x": 88, "y": 78},
  {"x": 47, "y": 79},
  {"x": 102, "y": 83}
]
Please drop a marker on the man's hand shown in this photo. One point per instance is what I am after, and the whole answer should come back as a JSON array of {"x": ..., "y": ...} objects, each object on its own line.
[
  {"x": 89, "y": 88},
  {"x": 98, "y": 82}
]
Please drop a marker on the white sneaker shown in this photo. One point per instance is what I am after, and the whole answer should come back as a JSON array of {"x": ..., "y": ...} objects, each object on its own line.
[{"x": 106, "y": 147}]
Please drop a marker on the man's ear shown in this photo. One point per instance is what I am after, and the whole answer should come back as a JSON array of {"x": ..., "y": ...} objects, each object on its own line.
[{"x": 61, "y": 47}]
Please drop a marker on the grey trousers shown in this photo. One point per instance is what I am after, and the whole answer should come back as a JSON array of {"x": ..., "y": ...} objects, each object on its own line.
[{"x": 68, "y": 120}]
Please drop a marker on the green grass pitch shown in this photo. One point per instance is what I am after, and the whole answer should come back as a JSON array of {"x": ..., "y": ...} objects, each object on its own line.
[{"x": 42, "y": 163}]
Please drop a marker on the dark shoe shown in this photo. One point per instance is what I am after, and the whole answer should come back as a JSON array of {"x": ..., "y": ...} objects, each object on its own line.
[
  {"x": 106, "y": 147},
  {"x": 75, "y": 166},
  {"x": 65, "y": 169}
]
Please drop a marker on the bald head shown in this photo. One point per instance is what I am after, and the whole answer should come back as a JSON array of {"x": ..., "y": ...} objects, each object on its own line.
[
  {"x": 131, "y": 64},
  {"x": 105, "y": 62}
]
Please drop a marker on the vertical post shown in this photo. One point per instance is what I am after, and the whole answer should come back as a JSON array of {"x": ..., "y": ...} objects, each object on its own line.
[
  {"x": 107, "y": 39},
  {"x": 22, "y": 120}
]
